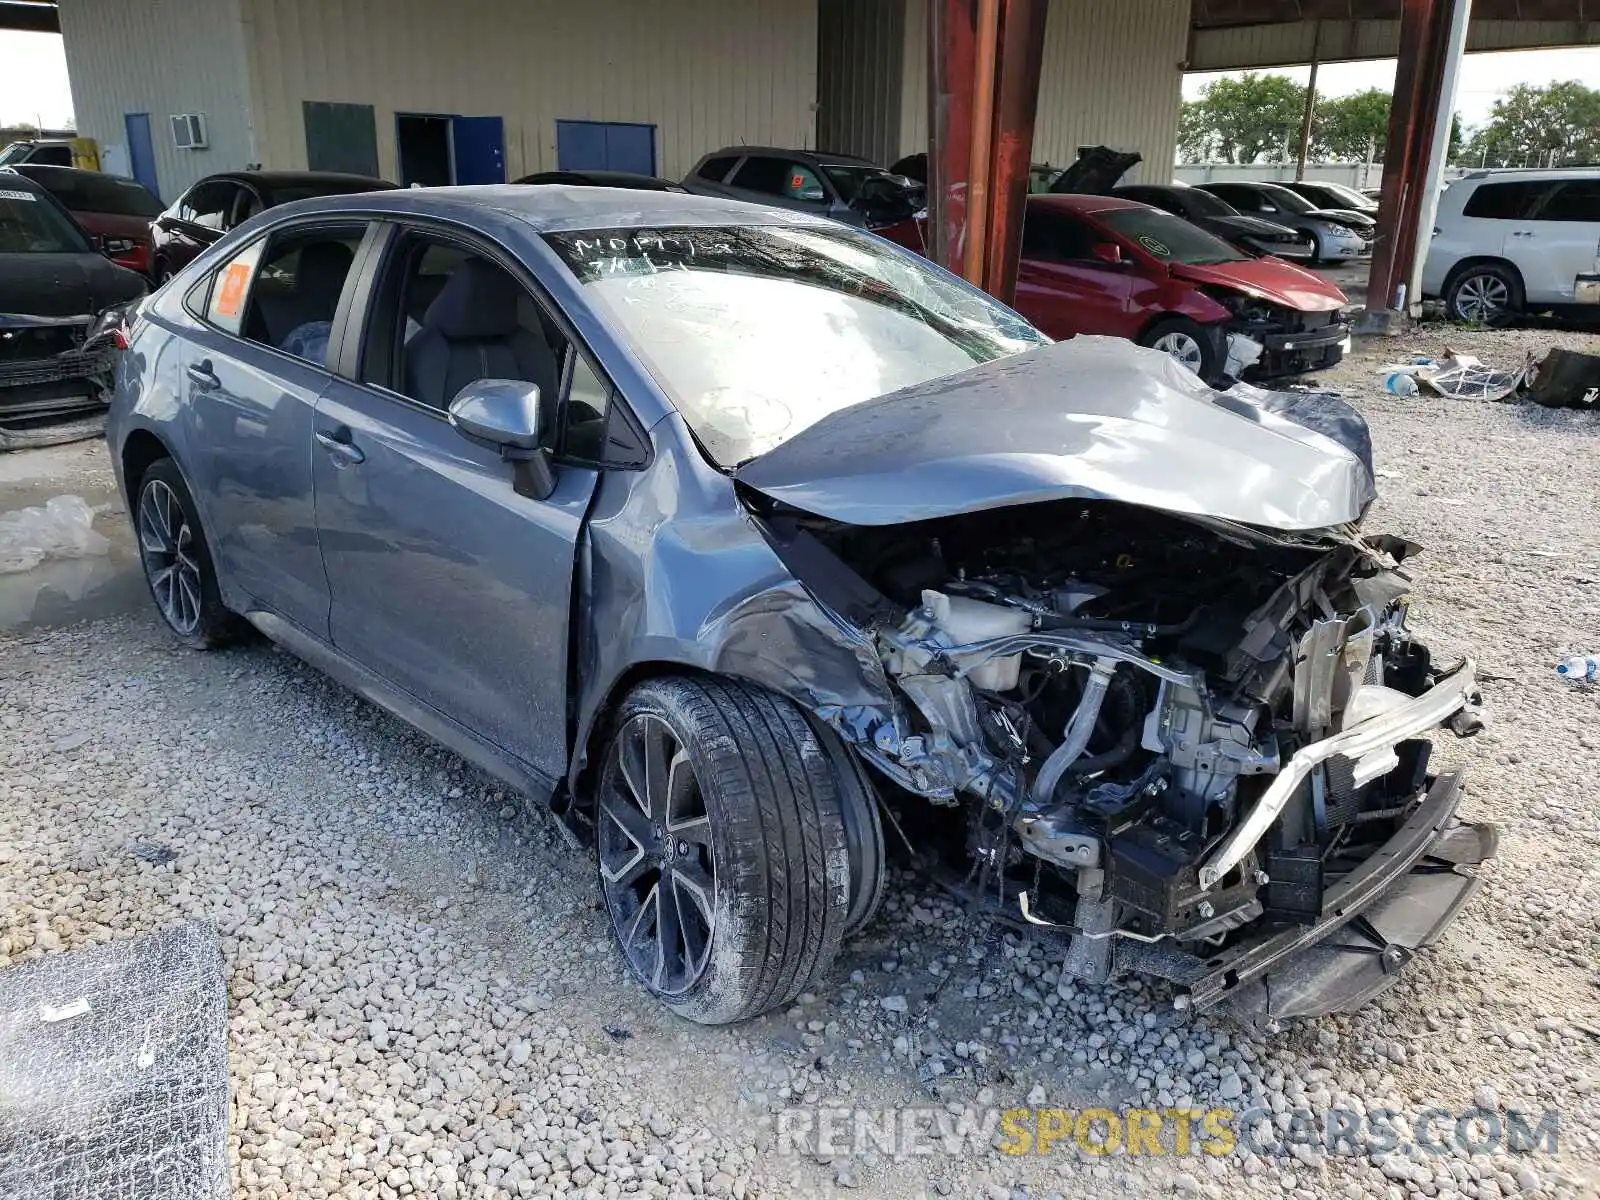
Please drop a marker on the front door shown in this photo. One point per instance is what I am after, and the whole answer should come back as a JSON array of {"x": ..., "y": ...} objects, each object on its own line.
[
  {"x": 444, "y": 580},
  {"x": 1061, "y": 287},
  {"x": 253, "y": 371}
]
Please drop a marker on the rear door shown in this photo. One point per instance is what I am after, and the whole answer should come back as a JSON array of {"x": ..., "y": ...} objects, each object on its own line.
[
  {"x": 1061, "y": 287},
  {"x": 1497, "y": 220},
  {"x": 445, "y": 582},
  {"x": 254, "y": 367},
  {"x": 1562, "y": 241}
]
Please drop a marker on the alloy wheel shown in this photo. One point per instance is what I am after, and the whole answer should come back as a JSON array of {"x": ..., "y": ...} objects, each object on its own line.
[
  {"x": 1181, "y": 347},
  {"x": 167, "y": 549},
  {"x": 1482, "y": 298},
  {"x": 657, "y": 868}
]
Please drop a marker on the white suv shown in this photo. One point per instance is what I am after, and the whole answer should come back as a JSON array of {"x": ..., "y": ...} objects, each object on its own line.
[{"x": 1509, "y": 240}]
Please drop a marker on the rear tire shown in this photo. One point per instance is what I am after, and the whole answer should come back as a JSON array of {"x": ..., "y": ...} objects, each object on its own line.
[
  {"x": 1483, "y": 293},
  {"x": 177, "y": 560},
  {"x": 721, "y": 845},
  {"x": 1184, "y": 341}
]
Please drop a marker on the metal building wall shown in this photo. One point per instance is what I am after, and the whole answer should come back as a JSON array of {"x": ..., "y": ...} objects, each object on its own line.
[
  {"x": 860, "y": 47},
  {"x": 1111, "y": 76},
  {"x": 162, "y": 57},
  {"x": 707, "y": 73},
  {"x": 1291, "y": 43}
]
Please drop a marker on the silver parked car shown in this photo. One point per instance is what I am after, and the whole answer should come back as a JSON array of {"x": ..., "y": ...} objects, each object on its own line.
[{"x": 727, "y": 530}]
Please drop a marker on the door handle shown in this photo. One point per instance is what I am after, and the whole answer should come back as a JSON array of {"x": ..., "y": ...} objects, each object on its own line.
[
  {"x": 345, "y": 452},
  {"x": 204, "y": 377}
]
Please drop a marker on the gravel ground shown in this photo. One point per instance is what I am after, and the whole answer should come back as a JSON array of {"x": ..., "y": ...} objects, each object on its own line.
[{"x": 425, "y": 1000}]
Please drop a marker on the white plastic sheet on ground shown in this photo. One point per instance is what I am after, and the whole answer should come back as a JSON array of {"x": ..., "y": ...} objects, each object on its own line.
[{"x": 61, "y": 528}]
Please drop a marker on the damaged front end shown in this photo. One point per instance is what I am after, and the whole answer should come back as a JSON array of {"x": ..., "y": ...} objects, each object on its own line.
[
  {"x": 1195, "y": 747},
  {"x": 55, "y": 377}
]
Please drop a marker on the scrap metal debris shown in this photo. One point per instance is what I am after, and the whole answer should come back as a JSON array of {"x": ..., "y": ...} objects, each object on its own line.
[
  {"x": 1566, "y": 379},
  {"x": 1458, "y": 377}
]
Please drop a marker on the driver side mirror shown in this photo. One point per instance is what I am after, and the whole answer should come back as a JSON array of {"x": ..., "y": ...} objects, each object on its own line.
[
  {"x": 1107, "y": 252},
  {"x": 503, "y": 414}
]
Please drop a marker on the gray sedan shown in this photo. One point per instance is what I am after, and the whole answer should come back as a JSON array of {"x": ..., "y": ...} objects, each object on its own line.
[{"x": 726, "y": 531}]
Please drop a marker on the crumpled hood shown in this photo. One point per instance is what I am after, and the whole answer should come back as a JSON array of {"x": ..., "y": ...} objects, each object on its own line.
[
  {"x": 64, "y": 285},
  {"x": 1270, "y": 279},
  {"x": 1093, "y": 418}
]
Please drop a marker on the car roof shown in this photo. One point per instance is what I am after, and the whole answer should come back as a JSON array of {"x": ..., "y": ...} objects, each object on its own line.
[
  {"x": 1530, "y": 175},
  {"x": 1082, "y": 203},
  {"x": 289, "y": 179},
  {"x": 821, "y": 156},
  {"x": 558, "y": 208},
  {"x": 9, "y": 174}
]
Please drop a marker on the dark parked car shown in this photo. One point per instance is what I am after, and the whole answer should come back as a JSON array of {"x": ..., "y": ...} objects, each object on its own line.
[
  {"x": 115, "y": 212},
  {"x": 727, "y": 529},
  {"x": 841, "y": 186},
  {"x": 54, "y": 287},
  {"x": 1329, "y": 196},
  {"x": 217, "y": 203},
  {"x": 1254, "y": 235},
  {"x": 616, "y": 179},
  {"x": 1337, "y": 235}
]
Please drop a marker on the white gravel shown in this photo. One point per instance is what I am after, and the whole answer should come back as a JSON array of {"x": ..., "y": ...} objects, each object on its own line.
[{"x": 425, "y": 1000}]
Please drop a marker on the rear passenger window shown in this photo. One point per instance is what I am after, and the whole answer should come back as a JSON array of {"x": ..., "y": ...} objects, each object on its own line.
[
  {"x": 1505, "y": 201},
  {"x": 1574, "y": 200},
  {"x": 230, "y": 286},
  {"x": 283, "y": 291},
  {"x": 716, "y": 169},
  {"x": 779, "y": 177}
]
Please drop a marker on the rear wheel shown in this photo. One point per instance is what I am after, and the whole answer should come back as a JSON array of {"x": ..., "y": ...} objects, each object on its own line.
[
  {"x": 1185, "y": 341},
  {"x": 1483, "y": 293},
  {"x": 722, "y": 848},
  {"x": 177, "y": 561}
]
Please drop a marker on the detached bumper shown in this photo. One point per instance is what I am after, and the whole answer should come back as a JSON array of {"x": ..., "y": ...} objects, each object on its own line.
[
  {"x": 1373, "y": 921},
  {"x": 1300, "y": 352}
]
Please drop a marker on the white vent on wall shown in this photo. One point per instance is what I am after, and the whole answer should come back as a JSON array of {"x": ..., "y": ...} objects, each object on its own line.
[{"x": 189, "y": 131}]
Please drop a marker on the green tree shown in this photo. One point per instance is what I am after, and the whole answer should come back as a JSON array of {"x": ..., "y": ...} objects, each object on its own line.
[
  {"x": 1347, "y": 126},
  {"x": 1556, "y": 125},
  {"x": 1253, "y": 118}
]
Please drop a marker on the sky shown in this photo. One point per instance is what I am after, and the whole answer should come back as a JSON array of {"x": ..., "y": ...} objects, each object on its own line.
[{"x": 33, "y": 77}]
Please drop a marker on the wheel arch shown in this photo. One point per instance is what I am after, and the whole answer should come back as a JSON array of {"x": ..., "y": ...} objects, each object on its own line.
[
  {"x": 139, "y": 450},
  {"x": 1483, "y": 260}
]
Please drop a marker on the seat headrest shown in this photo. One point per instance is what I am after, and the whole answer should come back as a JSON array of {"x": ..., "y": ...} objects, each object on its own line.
[
  {"x": 323, "y": 266},
  {"x": 478, "y": 301}
]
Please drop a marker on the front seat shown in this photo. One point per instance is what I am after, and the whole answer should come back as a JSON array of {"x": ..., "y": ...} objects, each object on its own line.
[{"x": 471, "y": 332}]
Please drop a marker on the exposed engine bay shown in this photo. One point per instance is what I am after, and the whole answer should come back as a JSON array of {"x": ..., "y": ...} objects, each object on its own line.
[{"x": 1171, "y": 739}]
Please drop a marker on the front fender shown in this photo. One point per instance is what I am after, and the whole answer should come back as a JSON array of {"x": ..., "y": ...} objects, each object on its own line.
[{"x": 675, "y": 576}]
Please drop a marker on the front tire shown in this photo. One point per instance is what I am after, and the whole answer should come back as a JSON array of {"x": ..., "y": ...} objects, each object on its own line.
[
  {"x": 1185, "y": 341},
  {"x": 721, "y": 846},
  {"x": 177, "y": 560}
]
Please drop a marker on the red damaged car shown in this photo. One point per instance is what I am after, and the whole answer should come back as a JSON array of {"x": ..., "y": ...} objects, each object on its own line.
[{"x": 1098, "y": 264}]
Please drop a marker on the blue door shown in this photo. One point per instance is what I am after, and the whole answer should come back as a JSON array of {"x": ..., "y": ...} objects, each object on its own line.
[
  {"x": 141, "y": 154},
  {"x": 480, "y": 144},
  {"x": 606, "y": 146}
]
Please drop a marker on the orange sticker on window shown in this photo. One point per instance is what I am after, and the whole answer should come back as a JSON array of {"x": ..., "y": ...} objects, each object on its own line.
[
  {"x": 231, "y": 297},
  {"x": 797, "y": 182}
]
